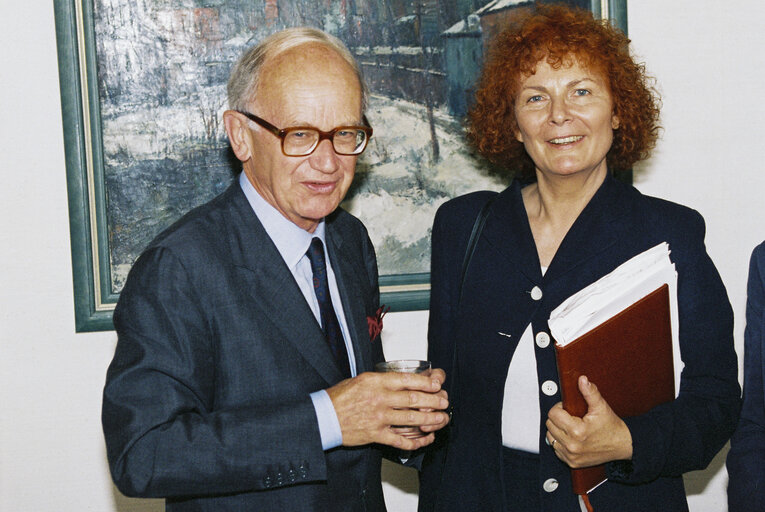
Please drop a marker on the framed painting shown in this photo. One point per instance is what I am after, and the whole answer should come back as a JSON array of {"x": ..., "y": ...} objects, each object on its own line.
[{"x": 143, "y": 90}]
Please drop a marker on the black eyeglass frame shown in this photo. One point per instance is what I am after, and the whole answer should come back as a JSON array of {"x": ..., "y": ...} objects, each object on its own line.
[{"x": 282, "y": 133}]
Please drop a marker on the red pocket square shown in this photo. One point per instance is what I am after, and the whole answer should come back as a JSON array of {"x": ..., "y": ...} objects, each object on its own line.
[{"x": 375, "y": 322}]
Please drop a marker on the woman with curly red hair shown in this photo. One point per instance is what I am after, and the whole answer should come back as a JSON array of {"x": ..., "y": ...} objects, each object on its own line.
[{"x": 562, "y": 104}]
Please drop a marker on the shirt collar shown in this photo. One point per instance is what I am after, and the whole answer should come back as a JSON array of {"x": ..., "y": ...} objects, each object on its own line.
[{"x": 291, "y": 241}]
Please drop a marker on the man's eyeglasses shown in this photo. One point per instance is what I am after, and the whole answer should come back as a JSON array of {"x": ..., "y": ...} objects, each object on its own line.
[{"x": 303, "y": 140}]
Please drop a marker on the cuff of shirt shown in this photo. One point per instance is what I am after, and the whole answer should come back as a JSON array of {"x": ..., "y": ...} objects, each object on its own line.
[{"x": 329, "y": 425}]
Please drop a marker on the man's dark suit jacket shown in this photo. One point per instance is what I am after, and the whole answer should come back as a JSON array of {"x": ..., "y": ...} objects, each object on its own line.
[
  {"x": 746, "y": 459},
  {"x": 207, "y": 401},
  {"x": 617, "y": 224}
]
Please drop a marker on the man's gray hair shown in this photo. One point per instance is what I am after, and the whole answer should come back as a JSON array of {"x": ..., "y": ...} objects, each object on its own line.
[{"x": 243, "y": 82}]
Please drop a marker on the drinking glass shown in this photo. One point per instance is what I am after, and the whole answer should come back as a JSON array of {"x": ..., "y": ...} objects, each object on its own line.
[{"x": 405, "y": 366}]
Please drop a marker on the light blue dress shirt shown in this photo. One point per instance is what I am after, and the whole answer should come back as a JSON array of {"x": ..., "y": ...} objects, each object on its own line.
[{"x": 292, "y": 243}]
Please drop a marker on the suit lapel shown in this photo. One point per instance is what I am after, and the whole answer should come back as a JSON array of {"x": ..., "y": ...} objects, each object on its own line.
[
  {"x": 349, "y": 274},
  {"x": 508, "y": 232},
  {"x": 274, "y": 292},
  {"x": 593, "y": 232}
]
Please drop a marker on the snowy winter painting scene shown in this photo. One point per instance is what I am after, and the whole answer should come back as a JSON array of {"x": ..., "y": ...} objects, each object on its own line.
[{"x": 162, "y": 67}]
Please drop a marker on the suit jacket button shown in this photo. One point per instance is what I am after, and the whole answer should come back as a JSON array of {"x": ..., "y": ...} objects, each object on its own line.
[
  {"x": 542, "y": 339},
  {"x": 549, "y": 387},
  {"x": 267, "y": 481}
]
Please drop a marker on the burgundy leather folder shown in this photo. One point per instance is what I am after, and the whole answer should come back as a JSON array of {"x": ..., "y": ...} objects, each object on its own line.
[{"x": 629, "y": 358}]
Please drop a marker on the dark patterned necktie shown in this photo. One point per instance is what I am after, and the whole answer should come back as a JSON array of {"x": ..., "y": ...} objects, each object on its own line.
[{"x": 329, "y": 324}]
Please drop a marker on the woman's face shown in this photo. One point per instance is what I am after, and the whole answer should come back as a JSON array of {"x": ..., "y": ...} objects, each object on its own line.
[{"x": 565, "y": 119}]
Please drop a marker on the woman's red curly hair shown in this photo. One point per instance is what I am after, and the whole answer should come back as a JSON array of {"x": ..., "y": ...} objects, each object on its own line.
[{"x": 559, "y": 33}]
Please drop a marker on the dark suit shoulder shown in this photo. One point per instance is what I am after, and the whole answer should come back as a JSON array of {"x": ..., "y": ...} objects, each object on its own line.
[
  {"x": 756, "y": 283},
  {"x": 758, "y": 255},
  {"x": 674, "y": 212},
  {"x": 467, "y": 204},
  {"x": 649, "y": 220},
  {"x": 201, "y": 247},
  {"x": 681, "y": 226},
  {"x": 196, "y": 240},
  {"x": 454, "y": 219},
  {"x": 667, "y": 213},
  {"x": 204, "y": 224}
]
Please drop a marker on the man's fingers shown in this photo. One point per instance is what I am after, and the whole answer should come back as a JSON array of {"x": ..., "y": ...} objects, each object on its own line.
[
  {"x": 390, "y": 438},
  {"x": 438, "y": 374},
  {"x": 395, "y": 381},
  {"x": 437, "y": 426},
  {"x": 401, "y": 399},
  {"x": 367, "y": 406},
  {"x": 415, "y": 418}
]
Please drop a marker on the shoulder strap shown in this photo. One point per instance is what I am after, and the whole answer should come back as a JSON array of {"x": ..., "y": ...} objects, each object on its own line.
[{"x": 475, "y": 234}]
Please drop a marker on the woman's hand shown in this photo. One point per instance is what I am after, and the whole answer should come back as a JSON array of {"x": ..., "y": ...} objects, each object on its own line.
[{"x": 600, "y": 436}]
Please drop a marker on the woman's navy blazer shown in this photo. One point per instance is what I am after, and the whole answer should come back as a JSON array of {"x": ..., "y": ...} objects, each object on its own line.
[{"x": 463, "y": 472}]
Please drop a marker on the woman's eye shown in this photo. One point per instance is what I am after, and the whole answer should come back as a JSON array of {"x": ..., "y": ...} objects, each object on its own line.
[
  {"x": 582, "y": 92},
  {"x": 535, "y": 98}
]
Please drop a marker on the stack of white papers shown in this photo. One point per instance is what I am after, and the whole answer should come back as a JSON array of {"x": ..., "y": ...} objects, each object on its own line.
[{"x": 613, "y": 293}]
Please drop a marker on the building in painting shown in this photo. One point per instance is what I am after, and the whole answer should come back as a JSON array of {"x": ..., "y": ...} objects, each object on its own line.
[{"x": 465, "y": 43}]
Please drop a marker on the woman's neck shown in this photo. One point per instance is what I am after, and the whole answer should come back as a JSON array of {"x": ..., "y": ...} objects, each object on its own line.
[{"x": 553, "y": 205}]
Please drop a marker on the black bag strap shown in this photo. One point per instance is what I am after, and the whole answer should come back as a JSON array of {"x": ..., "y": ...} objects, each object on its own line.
[{"x": 475, "y": 234}]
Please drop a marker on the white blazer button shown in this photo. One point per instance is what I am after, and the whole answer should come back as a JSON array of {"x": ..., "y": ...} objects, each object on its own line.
[
  {"x": 549, "y": 388},
  {"x": 536, "y": 293},
  {"x": 543, "y": 339},
  {"x": 550, "y": 485}
]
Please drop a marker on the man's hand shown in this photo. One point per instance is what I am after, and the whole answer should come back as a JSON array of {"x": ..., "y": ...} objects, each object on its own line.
[
  {"x": 368, "y": 404},
  {"x": 439, "y": 375},
  {"x": 600, "y": 436}
]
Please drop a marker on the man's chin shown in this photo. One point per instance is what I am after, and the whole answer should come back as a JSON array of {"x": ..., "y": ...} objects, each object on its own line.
[
  {"x": 318, "y": 211},
  {"x": 309, "y": 219}
]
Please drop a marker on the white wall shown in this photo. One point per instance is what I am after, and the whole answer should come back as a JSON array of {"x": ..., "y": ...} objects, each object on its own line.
[{"x": 706, "y": 55}]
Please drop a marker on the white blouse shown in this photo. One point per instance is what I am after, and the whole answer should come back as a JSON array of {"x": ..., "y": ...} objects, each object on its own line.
[{"x": 520, "y": 406}]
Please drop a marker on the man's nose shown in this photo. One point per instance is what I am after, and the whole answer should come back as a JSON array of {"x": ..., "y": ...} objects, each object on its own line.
[{"x": 324, "y": 158}]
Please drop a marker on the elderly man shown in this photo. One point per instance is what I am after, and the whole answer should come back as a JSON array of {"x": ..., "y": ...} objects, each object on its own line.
[{"x": 238, "y": 381}]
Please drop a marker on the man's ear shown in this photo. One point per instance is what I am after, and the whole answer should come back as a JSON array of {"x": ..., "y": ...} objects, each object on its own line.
[{"x": 238, "y": 134}]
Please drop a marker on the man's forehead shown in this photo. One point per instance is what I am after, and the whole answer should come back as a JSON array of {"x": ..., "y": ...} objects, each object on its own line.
[
  {"x": 306, "y": 71},
  {"x": 308, "y": 61}
]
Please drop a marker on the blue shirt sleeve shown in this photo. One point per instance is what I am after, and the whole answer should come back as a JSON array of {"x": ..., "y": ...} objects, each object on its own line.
[{"x": 329, "y": 425}]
